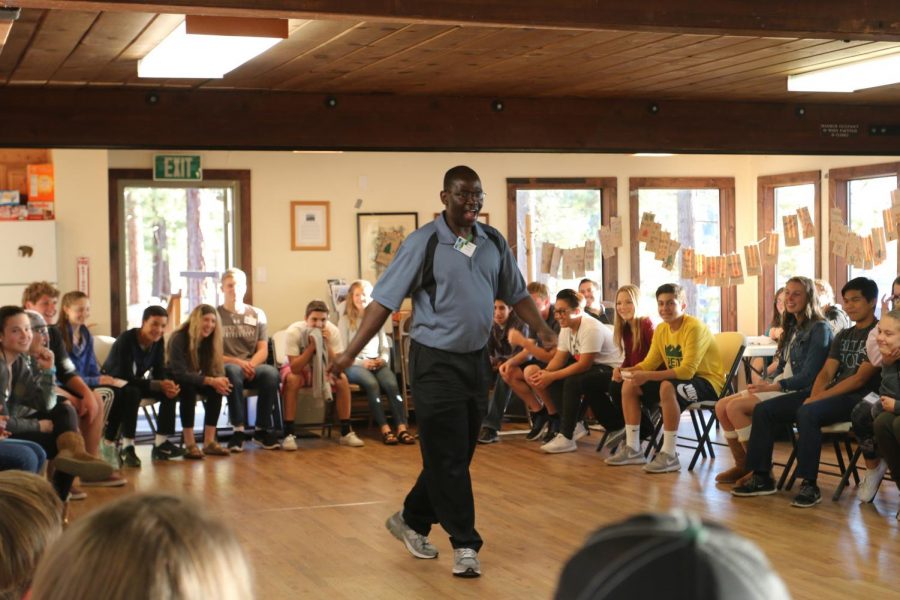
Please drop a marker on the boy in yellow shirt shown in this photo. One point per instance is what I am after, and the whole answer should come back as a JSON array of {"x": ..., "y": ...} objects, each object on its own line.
[{"x": 684, "y": 346}]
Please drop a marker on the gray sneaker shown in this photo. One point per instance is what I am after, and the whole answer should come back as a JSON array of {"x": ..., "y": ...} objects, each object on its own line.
[
  {"x": 417, "y": 544},
  {"x": 613, "y": 438},
  {"x": 626, "y": 456},
  {"x": 465, "y": 563},
  {"x": 663, "y": 462}
]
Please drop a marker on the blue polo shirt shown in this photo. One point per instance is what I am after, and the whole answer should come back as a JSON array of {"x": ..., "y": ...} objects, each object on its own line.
[{"x": 453, "y": 295}]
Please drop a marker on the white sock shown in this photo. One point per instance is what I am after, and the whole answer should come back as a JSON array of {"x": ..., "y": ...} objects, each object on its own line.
[
  {"x": 110, "y": 443},
  {"x": 633, "y": 437},
  {"x": 160, "y": 439},
  {"x": 127, "y": 442},
  {"x": 743, "y": 434},
  {"x": 668, "y": 445},
  {"x": 729, "y": 435}
]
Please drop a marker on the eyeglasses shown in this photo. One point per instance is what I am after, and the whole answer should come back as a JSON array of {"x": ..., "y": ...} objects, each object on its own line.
[
  {"x": 562, "y": 311},
  {"x": 469, "y": 194}
]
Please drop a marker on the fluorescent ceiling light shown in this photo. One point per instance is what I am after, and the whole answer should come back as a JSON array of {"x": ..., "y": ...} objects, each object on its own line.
[
  {"x": 202, "y": 56},
  {"x": 850, "y": 77}
]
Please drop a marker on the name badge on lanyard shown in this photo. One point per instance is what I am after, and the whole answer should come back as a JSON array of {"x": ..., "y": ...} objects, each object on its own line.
[{"x": 464, "y": 246}]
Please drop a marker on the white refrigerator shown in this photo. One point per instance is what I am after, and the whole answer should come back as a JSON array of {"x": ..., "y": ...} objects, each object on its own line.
[{"x": 27, "y": 253}]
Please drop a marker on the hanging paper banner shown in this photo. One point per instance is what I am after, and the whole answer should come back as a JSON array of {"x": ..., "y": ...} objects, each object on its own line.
[
  {"x": 770, "y": 256},
  {"x": 546, "y": 257},
  {"x": 554, "y": 262},
  {"x": 615, "y": 229},
  {"x": 644, "y": 231},
  {"x": 578, "y": 262},
  {"x": 890, "y": 225},
  {"x": 751, "y": 254},
  {"x": 806, "y": 223},
  {"x": 735, "y": 269},
  {"x": 590, "y": 253},
  {"x": 879, "y": 245},
  {"x": 687, "y": 263},
  {"x": 791, "y": 230}
]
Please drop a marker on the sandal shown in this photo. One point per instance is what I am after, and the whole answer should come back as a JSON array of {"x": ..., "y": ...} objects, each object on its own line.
[
  {"x": 389, "y": 438},
  {"x": 214, "y": 449},
  {"x": 193, "y": 452},
  {"x": 406, "y": 438}
]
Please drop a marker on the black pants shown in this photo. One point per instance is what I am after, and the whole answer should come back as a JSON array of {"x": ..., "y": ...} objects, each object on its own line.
[
  {"x": 450, "y": 392},
  {"x": 887, "y": 433},
  {"x": 592, "y": 385},
  {"x": 212, "y": 401},
  {"x": 123, "y": 414},
  {"x": 64, "y": 418}
]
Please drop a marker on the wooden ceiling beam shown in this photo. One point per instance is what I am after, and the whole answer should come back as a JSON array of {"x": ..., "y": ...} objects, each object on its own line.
[
  {"x": 870, "y": 20},
  {"x": 92, "y": 117}
]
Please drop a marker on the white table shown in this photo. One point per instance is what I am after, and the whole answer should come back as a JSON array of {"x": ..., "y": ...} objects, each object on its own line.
[{"x": 764, "y": 348}]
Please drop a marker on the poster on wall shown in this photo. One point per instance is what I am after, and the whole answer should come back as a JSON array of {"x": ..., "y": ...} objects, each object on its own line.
[{"x": 379, "y": 236}]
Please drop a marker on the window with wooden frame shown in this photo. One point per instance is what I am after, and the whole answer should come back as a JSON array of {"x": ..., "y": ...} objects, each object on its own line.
[
  {"x": 862, "y": 194},
  {"x": 779, "y": 196},
  {"x": 566, "y": 212},
  {"x": 699, "y": 213}
]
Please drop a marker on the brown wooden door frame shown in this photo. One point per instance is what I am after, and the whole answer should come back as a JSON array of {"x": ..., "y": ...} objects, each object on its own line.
[
  {"x": 608, "y": 187},
  {"x": 837, "y": 197},
  {"x": 765, "y": 197},
  {"x": 243, "y": 246},
  {"x": 727, "y": 243}
]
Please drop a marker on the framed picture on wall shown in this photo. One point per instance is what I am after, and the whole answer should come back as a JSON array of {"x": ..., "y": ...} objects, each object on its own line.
[
  {"x": 310, "y": 227},
  {"x": 482, "y": 217},
  {"x": 379, "y": 236}
]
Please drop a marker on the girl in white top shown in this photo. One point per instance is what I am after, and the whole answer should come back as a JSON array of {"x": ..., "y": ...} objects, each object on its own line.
[{"x": 371, "y": 368}]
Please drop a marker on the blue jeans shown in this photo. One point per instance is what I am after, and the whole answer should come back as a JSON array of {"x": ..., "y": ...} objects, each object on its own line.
[
  {"x": 373, "y": 382},
  {"x": 21, "y": 455},
  {"x": 265, "y": 382}
]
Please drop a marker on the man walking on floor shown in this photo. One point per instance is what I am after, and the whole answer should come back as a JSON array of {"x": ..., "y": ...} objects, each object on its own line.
[{"x": 454, "y": 268}]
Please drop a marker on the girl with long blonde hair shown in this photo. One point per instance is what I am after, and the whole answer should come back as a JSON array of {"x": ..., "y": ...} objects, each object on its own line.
[
  {"x": 196, "y": 365},
  {"x": 371, "y": 368}
]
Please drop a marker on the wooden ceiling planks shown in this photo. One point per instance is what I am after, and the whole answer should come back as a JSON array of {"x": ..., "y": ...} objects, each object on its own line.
[
  {"x": 19, "y": 37},
  {"x": 56, "y": 37},
  {"x": 110, "y": 35}
]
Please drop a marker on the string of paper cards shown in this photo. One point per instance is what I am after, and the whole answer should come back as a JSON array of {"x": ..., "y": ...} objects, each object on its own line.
[
  {"x": 571, "y": 263},
  {"x": 865, "y": 252}
]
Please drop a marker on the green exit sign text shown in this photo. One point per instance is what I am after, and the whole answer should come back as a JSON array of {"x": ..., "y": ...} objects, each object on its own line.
[{"x": 177, "y": 167}]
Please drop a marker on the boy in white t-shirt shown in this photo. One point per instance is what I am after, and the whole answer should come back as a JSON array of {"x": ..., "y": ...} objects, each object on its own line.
[
  {"x": 300, "y": 347},
  {"x": 581, "y": 367}
]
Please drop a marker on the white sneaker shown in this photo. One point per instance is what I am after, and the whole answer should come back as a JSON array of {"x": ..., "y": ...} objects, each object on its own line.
[
  {"x": 626, "y": 455},
  {"x": 868, "y": 487},
  {"x": 289, "y": 443},
  {"x": 580, "y": 431},
  {"x": 352, "y": 440},
  {"x": 559, "y": 444},
  {"x": 663, "y": 462}
]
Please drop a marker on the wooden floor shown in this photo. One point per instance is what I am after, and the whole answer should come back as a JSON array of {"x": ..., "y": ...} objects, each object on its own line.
[{"x": 312, "y": 521}]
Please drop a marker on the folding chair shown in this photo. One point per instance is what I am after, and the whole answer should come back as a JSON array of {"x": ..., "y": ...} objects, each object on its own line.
[
  {"x": 731, "y": 346},
  {"x": 836, "y": 433}
]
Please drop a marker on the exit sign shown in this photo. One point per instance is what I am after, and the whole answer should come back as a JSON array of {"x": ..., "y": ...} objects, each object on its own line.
[{"x": 177, "y": 167}]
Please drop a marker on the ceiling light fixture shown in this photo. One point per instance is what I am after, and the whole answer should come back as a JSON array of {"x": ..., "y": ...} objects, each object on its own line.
[
  {"x": 859, "y": 75},
  {"x": 209, "y": 47}
]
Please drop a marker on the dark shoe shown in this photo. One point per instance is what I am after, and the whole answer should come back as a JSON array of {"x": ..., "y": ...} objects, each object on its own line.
[
  {"x": 488, "y": 436},
  {"x": 538, "y": 423},
  {"x": 236, "y": 442},
  {"x": 269, "y": 441},
  {"x": 389, "y": 438},
  {"x": 406, "y": 438},
  {"x": 808, "y": 497},
  {"x": 552, "y": 429},
  {"x": 166, "y": 451},
  {"x": 129, "y": 458},
  {"x": 757, "y": 485}
]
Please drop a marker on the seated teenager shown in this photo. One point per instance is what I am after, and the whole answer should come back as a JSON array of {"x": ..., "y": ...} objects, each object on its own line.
[
  {"x": 693, "y": 372},
  {"x": 887, "y": 423},
  {"x": 632, "y": 335},
  {"x": 499, "y": 352},
  {"x": 371, "y": 368},
  {"x": 802, "y": 351},
  {"x": 883, "y": 350},
  {"x": 590, "y": 290},
  {"x": 195, "y": 364},
  {"x": 836, "y": 316},
  {"x": 42, "y": 297},
  {"x": 763, "y": 367},
  {"x": 532, "y": 353},
  {"x": 246, "y": 348},
  {"x": 26, "y": 398},
  {"x": 311, "y": 347},
  {"x": 137, "y": 357},
  {"x": 580, "y": 369},
  {"x": 844, "y": 380},
  {"x": 31, "y": 523},
  {"x": 146, "y": 547},
  {"x": 891, "y": 301}
]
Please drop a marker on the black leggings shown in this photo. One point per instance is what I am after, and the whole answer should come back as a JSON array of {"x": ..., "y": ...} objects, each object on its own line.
[
  {"x": 188, "y": 398},
  {"x": 124, "y": 413}
]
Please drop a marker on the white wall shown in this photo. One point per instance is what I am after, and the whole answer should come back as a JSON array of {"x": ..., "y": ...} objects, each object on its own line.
[{"x": 385, "y": 182}]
